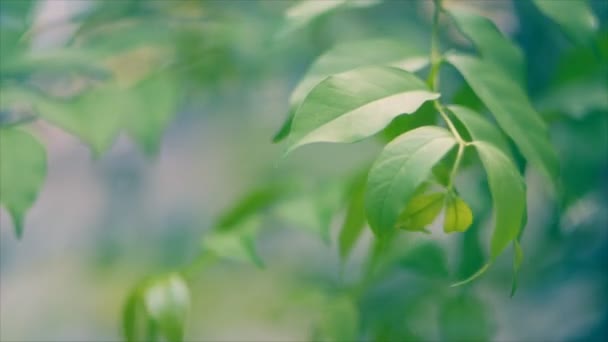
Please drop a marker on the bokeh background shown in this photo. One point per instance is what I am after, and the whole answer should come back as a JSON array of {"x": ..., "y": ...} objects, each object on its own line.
[{"x": 101, "y": 223}]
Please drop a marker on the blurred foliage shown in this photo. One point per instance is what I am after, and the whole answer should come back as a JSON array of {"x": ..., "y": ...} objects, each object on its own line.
[{"x": 131, "y": 67}]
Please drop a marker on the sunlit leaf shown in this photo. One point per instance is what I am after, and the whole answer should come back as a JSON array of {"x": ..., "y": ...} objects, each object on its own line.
[
  {"x": 167, "y": 302},
  {"x": 403, "y": 165},
  {"x": 512, "y": 109},
  {"x": 356, "y": 104},
  {"x": 574, "y": 16},
  {"x": 458, "y": 215},
  {"x": 22, "y": 173},
  {"x": 421, "y": 211},
  {"x": 493, "y": 46}
]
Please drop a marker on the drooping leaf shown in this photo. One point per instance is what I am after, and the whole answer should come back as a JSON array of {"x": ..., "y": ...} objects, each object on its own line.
[
  {"x": 480, "y": 128},
  {"x": 22, "y": 173},
  {"x": 354, "y": 220},
  {"x": 356, "y": 104},
  {"x": 421, "y": 211},
  {"x": 465, "y": 318},
  {"x": 512, "y": 109},
  {"x": 574, "y": 16},
  {"x": 458, "y": 215},
  {"x": 508, "y": 196},
  {"x": 518, "y": 259},
  {"x": 404, "y": 164},
  {"x": 351, "y": 55},
  {"x": 167, "y": 302},
  {"x": 493, "y": 46}
]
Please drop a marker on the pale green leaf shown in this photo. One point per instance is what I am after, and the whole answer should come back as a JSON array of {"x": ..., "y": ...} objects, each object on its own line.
[
  {"x": 167, "y": 302},
  {"x": 356, "y": 104},
  {"x": 237, "y": 243},
  {"x": 458, "y": 215},
  {"x": 480, "y": 128},
  {"x": 512, "y": 109},
  {"x": 574, "y": 16},
  {"x": 404, "y": 164},
  {"x": 421, "y": 211},
  {"x": 493, "y": 46},
  {"x": 508, "y": 195},
  {"x": 354, "y": 220},
  {"x": 351, "y": 55},
  {"x": 22, "y": 173}
]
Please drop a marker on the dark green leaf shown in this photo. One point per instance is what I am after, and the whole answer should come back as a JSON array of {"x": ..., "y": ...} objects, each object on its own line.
[
  {"x": 404, "y": 164},
  {"x": 356, "y": 104},
  {"x": 574, "y": 16},
  {"x": 465, "y": 318},
  {"x": 22, "y": 173},
  {"x": 510, "y": 106}
]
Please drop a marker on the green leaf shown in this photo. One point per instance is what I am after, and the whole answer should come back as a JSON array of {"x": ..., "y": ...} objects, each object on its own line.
[
  {"x": 339, "y": 321},
  {"x": 132, "y": 317},
  {"x": 421, "y": 211},
  {"x": 351, "y": 55},
  {"x": 404, "y": 164},
  {"x": 167, "y": 301},
  {"x": 354, "y": 220},
  {"x": 426, "y": 258},
  {"x": 22, "y": 170},
  {"x": 512, "y": 109},
  {"x": 508, "y": 196},
  {"x": 356, "y": 104},
  {"x": 518, "y": 259},
  {"x": 237, "y": 243},
  {"x": 493, "y": 46},
  {"x": 458, "y": 215},
  {"x": 465, "y": 318},
  {"x": 574, "y": 16},
  {"x": 480, "y": 128},
  {"x": 153, "y": 105}
]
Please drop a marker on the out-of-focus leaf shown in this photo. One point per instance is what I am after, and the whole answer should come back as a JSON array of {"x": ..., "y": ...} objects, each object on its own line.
[
  {"x": 306, "y": 11},
  {"x": 403, "y": 165},
  {"x": 251, "y": 204},
  {"x": 427, "y": 259},
  {"x": 351, "y": 55},
  {"x": 574, "y": 16},
  {"x": 480, "y": 128},
  {"x": 237, "y": 243},
  {"x": 421, "y": 211},
  {"x": 132, "y": 317},
  {"x": 510, "y": 106},
  {"x": 22, "y": 173},
  {"x": 458, "y": 215},
  {"x": 339, "y": 321},
  {"x": 578, "y": 98},
  {"x": 465, "y": 318},
  {"x": 167, "y": 302},
  {"x": 493, "y": 46},
  {"x": 355, "y": 219},
  {"x": 356, "y": 104}
]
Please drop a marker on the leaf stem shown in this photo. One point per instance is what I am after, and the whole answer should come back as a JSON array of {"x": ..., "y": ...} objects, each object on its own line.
[{"x": 459, "y": 155}]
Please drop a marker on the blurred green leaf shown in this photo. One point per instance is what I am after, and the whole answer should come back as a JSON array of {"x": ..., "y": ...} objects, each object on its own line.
[
  {"x": 458, "y": 215},
  {"x": 426, "y": 258},
  {"x": 133, "y": 315},
  {"x": 402, "y": 166},
  {"x": 574, "y": 16},
  {"x": 465, "y": 318},
  {"x": 354, "y": 220},
  {"x": 510, "y": 106},
  {"x": 518, "y": 258},
  {"x": 480, "y": 128},
  {"x": 493, "y": 46},
  {"x": 236, "y": 244},
  {"x": 167, "y": 302},
  {"x": 352, "y": 106},
  {"x": 23, "y": 170},
  {"x": 421, "y": 211},
  {"x": 339, "y": 321}
]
